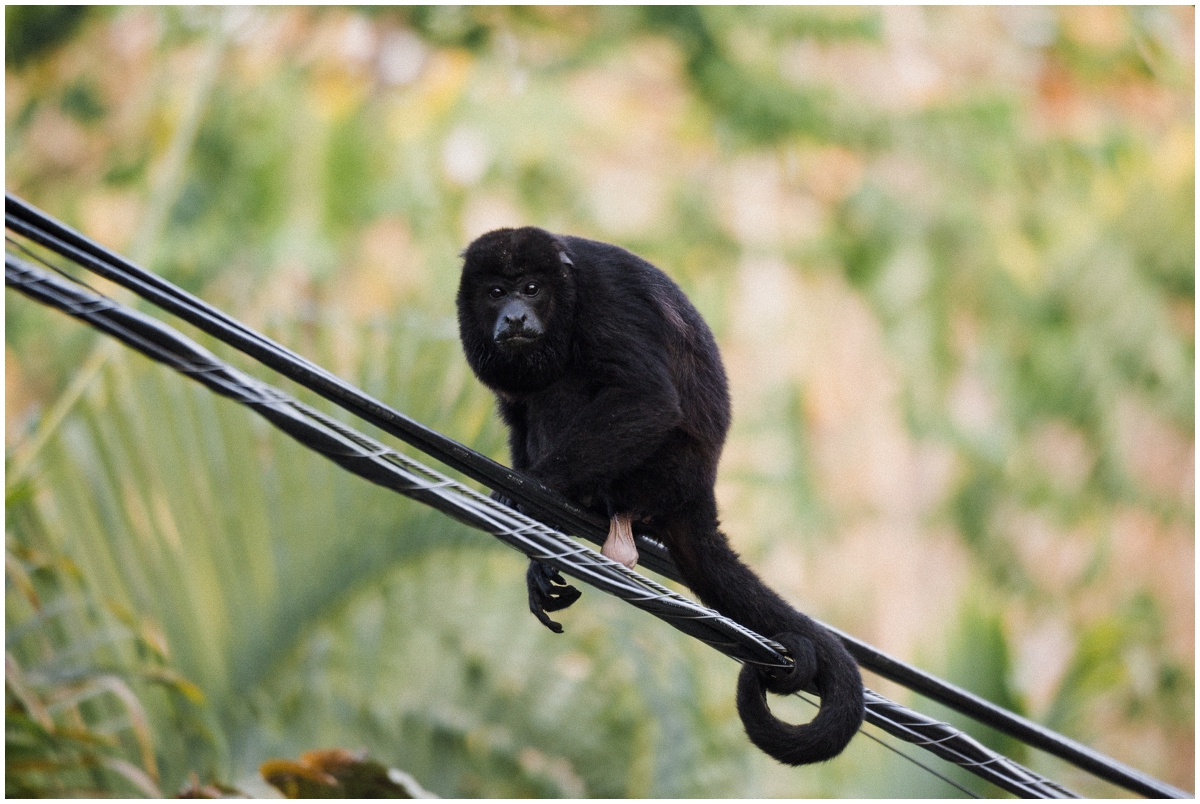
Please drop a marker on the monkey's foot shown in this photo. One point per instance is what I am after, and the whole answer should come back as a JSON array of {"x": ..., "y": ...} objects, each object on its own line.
[
  {"x": 619, "y": 546},
  {"x": 548, "y": 592}
]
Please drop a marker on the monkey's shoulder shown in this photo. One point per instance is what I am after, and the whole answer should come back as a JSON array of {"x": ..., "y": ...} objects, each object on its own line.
[
  {"x": 611, "y": 264},
  {"x": 621, "y": 287}
]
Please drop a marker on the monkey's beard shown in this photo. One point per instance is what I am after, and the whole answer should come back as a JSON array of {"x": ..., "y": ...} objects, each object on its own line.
[{"x": 518, "y": 365}]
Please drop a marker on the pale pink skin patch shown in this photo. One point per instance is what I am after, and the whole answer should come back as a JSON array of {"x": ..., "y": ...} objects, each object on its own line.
[{"x": 619, "y": 545}]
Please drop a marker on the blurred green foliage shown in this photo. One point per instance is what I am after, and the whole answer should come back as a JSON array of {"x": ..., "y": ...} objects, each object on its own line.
[
  {"x": 81, "y": 674},
  {"x": 949, "y": 256},
  {"x": 32, "y": 31}
]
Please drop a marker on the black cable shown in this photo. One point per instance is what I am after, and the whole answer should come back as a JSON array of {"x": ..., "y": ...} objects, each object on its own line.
[
  {"x": 31, "y": 254},
  {"x": 970, "y": 793},
  {"x": 385, "y": 466},
  {"x": 30, "y": 222},
  {"x": 544, "y": 504}
]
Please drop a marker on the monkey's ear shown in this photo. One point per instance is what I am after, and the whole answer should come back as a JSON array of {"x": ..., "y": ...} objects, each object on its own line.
[{"x": 563, "y": 257}]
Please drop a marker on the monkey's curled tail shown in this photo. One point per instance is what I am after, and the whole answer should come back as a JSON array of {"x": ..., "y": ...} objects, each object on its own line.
[{"x": 715, "y": 573}]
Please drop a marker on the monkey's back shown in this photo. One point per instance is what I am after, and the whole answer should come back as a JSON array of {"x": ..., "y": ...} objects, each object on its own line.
[{"x": 633, "y": 311}]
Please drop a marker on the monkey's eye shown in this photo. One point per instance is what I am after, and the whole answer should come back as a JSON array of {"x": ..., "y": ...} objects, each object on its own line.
[
  {"x": 496, "y": 292},
  {"x": 531, "y": 289}
]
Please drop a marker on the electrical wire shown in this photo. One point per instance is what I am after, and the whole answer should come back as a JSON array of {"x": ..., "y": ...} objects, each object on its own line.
[
  {"x": 385, "y": 466},
  {"x": 26, "y": 220}
]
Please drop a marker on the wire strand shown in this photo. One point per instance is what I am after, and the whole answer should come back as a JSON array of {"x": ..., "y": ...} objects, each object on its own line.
[{"x": 896, "y": 750}]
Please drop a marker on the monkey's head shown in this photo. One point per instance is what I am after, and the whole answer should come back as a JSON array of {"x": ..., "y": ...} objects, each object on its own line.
[{"x": 516, "y": 304}]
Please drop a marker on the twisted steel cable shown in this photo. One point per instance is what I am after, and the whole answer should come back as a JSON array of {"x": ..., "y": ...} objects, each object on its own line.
[
  {"x": 380, "y": 464},
  {"x": 545, "y": 505}
]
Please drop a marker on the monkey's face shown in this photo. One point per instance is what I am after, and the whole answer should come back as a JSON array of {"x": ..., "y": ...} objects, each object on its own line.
[
  {"x": 517, "y": 307},
  {"x": 513, "y": 308}
]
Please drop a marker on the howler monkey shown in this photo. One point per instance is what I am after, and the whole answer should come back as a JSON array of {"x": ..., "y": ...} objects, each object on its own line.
[{"x": 614, "y": 395}]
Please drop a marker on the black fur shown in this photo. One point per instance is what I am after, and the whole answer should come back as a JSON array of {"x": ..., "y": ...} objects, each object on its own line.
[{"x": 614, "y": 394}]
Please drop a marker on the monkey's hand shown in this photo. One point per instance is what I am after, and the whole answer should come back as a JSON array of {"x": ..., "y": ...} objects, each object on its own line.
[
  {"x": 548, "y": 592},
  {"x": 547, "y": 589}
]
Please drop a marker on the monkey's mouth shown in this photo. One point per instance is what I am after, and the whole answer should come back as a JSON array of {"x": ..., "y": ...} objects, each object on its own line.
[{"x": 517, "y": 340}]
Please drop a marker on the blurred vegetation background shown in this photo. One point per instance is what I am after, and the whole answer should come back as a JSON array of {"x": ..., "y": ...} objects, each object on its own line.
[{"x": 949, "y": 257}]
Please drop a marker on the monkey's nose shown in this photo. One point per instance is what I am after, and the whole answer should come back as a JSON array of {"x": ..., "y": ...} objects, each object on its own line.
[
  {"x": 514, "y": 328},
  {"x": 516, "y": 321}
]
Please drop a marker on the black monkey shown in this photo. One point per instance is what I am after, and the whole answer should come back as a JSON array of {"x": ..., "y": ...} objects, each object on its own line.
[{"x": 614, "y": 394}]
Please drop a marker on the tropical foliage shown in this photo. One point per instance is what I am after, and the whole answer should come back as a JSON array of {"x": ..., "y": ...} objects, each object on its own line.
[{"x": 948, "y": 254}]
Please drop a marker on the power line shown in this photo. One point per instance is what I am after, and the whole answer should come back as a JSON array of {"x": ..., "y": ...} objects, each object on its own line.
[
  {"x": 387, "y": 467},
  {"x": 544, "y": 504}
]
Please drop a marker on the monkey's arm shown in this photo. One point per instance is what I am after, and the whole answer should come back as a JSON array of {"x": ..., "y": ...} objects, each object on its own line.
[
  {"x": 546, "y": 587},
  {"x": 513, "y": 413}
]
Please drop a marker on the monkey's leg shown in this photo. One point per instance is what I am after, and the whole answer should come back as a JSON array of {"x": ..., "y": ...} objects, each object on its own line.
[{"x": 619, "y": 546}]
